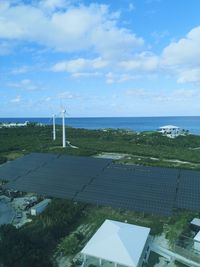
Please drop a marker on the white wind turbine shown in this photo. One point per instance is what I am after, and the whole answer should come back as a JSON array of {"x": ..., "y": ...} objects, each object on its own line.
[
  {"x": 63, "y": 128},
  {"x": 54, "y": 127}
]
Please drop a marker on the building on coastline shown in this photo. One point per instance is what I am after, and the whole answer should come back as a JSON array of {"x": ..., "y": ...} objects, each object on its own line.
[
  {"x": 13, "y": 124},
  {"x": 172, "y": 131},
  {"x": 120, "y": 244}
]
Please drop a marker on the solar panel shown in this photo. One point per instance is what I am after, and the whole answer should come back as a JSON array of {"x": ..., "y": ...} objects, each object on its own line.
[{"x": 151, "y": 190}]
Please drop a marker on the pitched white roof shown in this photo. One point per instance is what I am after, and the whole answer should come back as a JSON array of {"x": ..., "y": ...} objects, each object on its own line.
[
  {"x": 197, "y": 237},
  {"x": 196, "y": 222},
  {"x": 169, "y": 127},
  {"x": 118, "y": 242}
]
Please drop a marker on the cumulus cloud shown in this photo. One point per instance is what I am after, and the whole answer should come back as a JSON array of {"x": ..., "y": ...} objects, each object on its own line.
[
  {"x": 141, "y": 62},
  {"x": 189, "y": 76},
  {"x": 113, "y": 52},
  {"x": 80, "y": 64},
  {"x": 184, "y": 51},
  {"x": 71, "y": 29},
  {"x": 113, "y": 70},
  {"x": 182, "y": 57},
  {"x": 112, "y": 77}
]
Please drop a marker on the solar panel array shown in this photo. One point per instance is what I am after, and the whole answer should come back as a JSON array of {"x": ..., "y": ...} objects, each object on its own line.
[
  {"x": 61, "y": 176},
  {"x": 188, "y": 195},
  {"x": 144, "y": 189},
  {"x": 12, "y": 170},
  {"x": 99, "y": 181}
]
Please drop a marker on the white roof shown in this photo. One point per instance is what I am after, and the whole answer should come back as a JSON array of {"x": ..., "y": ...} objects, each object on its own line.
[
  {"x": 43, "y": 202},
  {"x": 169, "y": 127},
  {"x": 197, "y": 237},
  {"x": 118, "y": 242},
  {"x": 196, "y": 222}
]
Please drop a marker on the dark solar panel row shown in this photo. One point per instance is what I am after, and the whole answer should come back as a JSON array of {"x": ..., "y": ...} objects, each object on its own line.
[
  {"x": 141, "y": 205},
  {"x": 21, "y": 166},
  {"x": 147, "y": 189},
  {"x": 62, "y": 177},
  {"x": 124, "y": 188},
  {"x": 188, "y": 195}
]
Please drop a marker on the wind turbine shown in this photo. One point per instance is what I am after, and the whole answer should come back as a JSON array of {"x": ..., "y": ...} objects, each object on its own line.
[
  {"x": 63, "y": 127},
  {"x": 54, "y": 127}
]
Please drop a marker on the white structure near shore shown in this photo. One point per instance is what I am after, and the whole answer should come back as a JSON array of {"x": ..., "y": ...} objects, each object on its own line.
[
  {"x": 13, "y": 124},
  {"x": 172, "y": 131},
  {"x": 121, "y": 244}
]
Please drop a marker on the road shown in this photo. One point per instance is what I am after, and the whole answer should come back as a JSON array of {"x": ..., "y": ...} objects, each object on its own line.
[{"x": 170, "y": 255}]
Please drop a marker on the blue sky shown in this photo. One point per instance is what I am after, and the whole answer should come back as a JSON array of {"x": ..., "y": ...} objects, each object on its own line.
[{"x": 102, "y": 58}]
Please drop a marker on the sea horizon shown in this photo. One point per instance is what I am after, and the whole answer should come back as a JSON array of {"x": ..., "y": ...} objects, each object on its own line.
[{"x": 138, "y": 124}]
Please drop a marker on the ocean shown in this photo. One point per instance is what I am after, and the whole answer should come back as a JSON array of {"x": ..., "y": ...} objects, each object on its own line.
[{"x": 138, "y": 124}]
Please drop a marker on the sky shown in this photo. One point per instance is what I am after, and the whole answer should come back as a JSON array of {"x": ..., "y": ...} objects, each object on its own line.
[{"x": 99, "y": 58}]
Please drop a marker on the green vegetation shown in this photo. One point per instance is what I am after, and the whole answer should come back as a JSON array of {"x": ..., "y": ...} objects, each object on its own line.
[
  {"x": 33, "y": 244},
  {"x": 145, "y": 148},
  {"x": 65, "y": 227},
  {"x": 178, "y": 223}
]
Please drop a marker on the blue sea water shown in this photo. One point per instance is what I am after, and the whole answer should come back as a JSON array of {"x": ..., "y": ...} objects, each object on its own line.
[{"x": 133, "y": 123}]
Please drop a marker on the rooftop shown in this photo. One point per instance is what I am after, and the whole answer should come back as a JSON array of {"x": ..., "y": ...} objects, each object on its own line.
[
  {"x": 118, "y": 242},
  {"x": 169, "y": 127},
  {"x": 196, "y": 222},
  {"x": 197, "y": 237}
]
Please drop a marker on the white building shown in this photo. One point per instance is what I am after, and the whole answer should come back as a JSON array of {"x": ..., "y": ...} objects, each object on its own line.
[
  {"x": 40, "y": 207},
  {"x": 13, "y": 124},
  {"x": 195, "y": 224},
  {"x": 197, "y": 242},
  {"x": 117, "y": 243},
  {"x": 170, "y": 131}
]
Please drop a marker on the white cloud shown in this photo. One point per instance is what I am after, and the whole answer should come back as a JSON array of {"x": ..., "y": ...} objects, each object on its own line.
[
  {"x": 20, "y": 70},
  {"x": 17, "y": 99},
  {"x": 176, "y": 95},
  {"x": 53, "y": 4},
  {"x": 80, "y": 64},
  {"x": 86, "y": 74},
  {"x": 182, "y": 57},
  {"x": 24, "y": 84},
  {"x": 131, "y": 7},
  {"x": 141, "y": 62},
  {"x": 189, "y": 76},
  {"x": 112, "y": 77},
  {"x": 71, "y": 29},
  {"x": 184, "y": 51},
  {"x": 67, "y": 95},
  {"x": 120, "y": 71}
]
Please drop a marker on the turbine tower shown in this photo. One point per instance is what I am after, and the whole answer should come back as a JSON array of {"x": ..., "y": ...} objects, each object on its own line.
[
  {"x": 63, "y": 125},
  {"x": 54, "y": 127}
]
